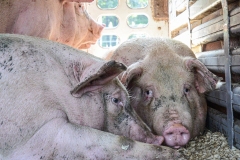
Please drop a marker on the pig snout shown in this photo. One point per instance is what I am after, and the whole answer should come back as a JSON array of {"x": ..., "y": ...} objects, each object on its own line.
[
  {"x": 94, "y": 33},
  {"x": 176, "y": 136}
]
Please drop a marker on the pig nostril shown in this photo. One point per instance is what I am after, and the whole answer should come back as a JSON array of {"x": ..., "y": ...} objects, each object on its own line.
[
  {"x": 169, "y": 133},
  {"x": 183, "y": 133},
  {"x": 186, "y": 136},
  {"x": 176, "y": 136}
]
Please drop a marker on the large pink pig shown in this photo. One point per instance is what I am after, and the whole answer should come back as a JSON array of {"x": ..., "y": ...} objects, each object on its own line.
[
  {"x": 56, "y": 101},
  {"x": 64, "y": 21},
  {"x": 166, "y": 83}
]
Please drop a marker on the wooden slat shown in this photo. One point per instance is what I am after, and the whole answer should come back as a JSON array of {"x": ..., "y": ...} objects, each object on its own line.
[
  {"x": 197, "y": 49},
  {"x": 207, "y": 24},
  {"x": 179, "y": 2},
  {"x": 179, "y": 22},
  {"x": 181, "y": 5},
  {"x": 212, "y": 27},
  {"x": 198, "y": 8},
  {"x": 202, "y": 6},
  {"x": 213, "y": 46},
  {"x": 235, "y": 16},
  {"x": 207, "y": 28},
  {"x": 219, "y": 12},
  {"x": 184, "y": 38},
  {"x": 207, "y": 39}
]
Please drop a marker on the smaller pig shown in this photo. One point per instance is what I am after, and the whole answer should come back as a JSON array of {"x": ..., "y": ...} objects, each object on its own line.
[
  {"x": 167, "y": 85},
  {"x": 64, "y": 21},
  {"x": 61, "y": 103}
]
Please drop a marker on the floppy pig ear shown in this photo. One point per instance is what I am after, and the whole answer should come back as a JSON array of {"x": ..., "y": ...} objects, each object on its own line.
[
  {"x": 104, "y": 74},
  {"x": 204, "y": 79},
  {"x": 132, "y": 72}
]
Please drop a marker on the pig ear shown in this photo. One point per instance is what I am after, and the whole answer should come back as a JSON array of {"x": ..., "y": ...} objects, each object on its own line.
[
  {"x": 204, "y": 79},
  {"x": 133, "y": 71},
  {"x": 106, "y": 73}
]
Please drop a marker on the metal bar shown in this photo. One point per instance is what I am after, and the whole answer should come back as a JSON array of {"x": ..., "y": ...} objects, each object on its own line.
[
  {"x": 228, "y": 58},
  {"x": 189, "y": 24}
]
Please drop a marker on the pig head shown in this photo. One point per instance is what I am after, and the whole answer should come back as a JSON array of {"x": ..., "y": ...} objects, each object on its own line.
[
  {"x": 64, "y": 21},
  {"x": 166, "y": 85},
  {"x": 56, "y": 102}
]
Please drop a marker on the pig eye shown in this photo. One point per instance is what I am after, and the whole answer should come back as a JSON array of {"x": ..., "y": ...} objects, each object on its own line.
[
  {"x": 81, "y": 6},
  {"x": 186, "y": 89},
  {"x": 115, "y": 100},
  {"x": 148, "y": 93}
]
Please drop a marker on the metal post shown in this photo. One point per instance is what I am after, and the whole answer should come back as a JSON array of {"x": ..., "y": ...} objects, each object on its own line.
[
  {"x": 228, "y": 60},
  {"x": 189, "y": 24}
]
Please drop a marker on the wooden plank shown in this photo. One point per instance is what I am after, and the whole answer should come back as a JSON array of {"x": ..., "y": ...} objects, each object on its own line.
[
  {"x": 213, "y": 61},
  {"x": 171, "y": 10},
  {"x": 219, "y": 12},
  {"x": 217, "y": 36},
  {"x": 196, "y": 23},
  {"x": 235, "y": 11},
  {"x": 179, "y": 2},
  {"x": 209, "y": 38},
  {"x": 236, "y": 107},
  {"x": 214, "y": 53},
  {"x": 184, "y": 38},
  {"x": 217, "y": 95},
  {"x": 237, "y": 127},
  {"x": 178, "y": 22},
  {"x": 207, "y": 24},
  {"x": 219, "y": 18},
  {"x": 213, "y": 46},
  {"x": 216, "y": 101},
  {"x": 237, "y": 133},
  {"x": 197, "y": 49},
  {"x": 218, "y": 118},
  {"x": 237, "y": 139},
  {"x": 236, "y": 60},
  {"x": 196, "y": 9},
  {"x": 181, "y": 5},
  {"x": 235, "y": 30},
  {"x": 216, "y": 64},
  {"x": 216, "y": 27},
  {"x": 236, "y": 51},
  {"x": 183, "y": 30},
  {"x": 211, "y": 16},
  {"x": 213, "y": 26},
  {"x": 202, "y": 6},
  {"x": 235, "y": 20}
]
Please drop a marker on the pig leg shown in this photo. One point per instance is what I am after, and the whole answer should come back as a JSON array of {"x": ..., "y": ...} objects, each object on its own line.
[{"x": 59, "y": 139}]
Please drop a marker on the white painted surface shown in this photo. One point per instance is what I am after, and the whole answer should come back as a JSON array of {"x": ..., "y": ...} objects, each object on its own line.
[{"x": 123, "y": 31}]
